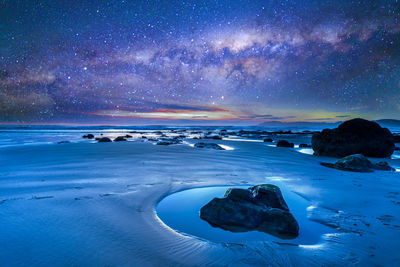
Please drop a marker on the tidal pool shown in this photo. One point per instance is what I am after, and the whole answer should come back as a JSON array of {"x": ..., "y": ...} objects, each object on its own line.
[{"x": 181, "y": 212}]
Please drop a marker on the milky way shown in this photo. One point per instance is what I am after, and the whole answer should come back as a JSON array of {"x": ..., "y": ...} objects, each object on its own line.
[{"x": 198, "y": 61}]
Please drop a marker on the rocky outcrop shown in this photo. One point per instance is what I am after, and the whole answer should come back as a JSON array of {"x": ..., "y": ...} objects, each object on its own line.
[
  {"x": 356, "y": 136},
  {"x": 261, "y": 208},
  {"x": 208, "y": 145},
  {"x": 284, "y": 143},
  {"x": 358, "y": 163},
  {"x": 268, "y": 140}
]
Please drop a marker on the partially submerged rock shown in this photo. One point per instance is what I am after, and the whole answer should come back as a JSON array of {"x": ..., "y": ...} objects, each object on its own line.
[
  {"x": 215, "y": 137},
  {"x": 261, "y": 208},
  {"x": 168, "y": 142},
  {"x": 208, "y": 145},
  {"x": 356, "y": 136},
  {"x": 88, "y": 136},
  {"x": 358, "y": 163},
  {"x": 284, "y": 143},
  {"x": 268, "y": 140},
  {"x": 120, "y": 138},
  {"x": 104, "y": 140}
]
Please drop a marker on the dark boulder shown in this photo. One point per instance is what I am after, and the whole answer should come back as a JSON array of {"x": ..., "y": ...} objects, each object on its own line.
[
  {"x": 208, "y": 145},
  {"x": 396, "y": 138},
  {"x": 358, "y": 163},
  {"x": 120, "y": 138},
  {"x": 128, "y": 136},
  {"x": 356, "y": 136},
  {"x": 104, "y": 140},
  {"x": 260, "y": 208},
  {"x": 284, "y": 143},
  {"x": 88, "y": 136},
  {"x": 268, "y": 140}
]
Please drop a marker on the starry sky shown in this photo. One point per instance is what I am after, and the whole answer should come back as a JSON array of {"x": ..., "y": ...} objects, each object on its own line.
[{"x": 198, "y": 62}]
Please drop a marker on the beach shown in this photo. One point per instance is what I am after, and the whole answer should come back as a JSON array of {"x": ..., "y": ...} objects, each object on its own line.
[{"x": 94, "y": 204}]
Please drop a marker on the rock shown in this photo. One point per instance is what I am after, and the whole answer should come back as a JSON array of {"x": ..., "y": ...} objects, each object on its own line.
[
  {"x": 63, "y": 142},
  {"x": 284, "y": 143},
  {"x": 119, "y": 139},
  {"x": 396, "y": 148},
  {"x": 396, "y": 138},
  {"x": 304, "y": 145},
  {"x": 261, "y": 208},
  {"x": 215, "y": 137},
  {"x": 268, "y": 140},
  {"x": 104, "y": 140},
  {"x": 270, "y": 194},
  {"x": 383, "y": 166},
  {"x": 168, "y": 142},
  {"x": 358, "y": 163},
  {"x": 88, "y": 136},
  {"x": 208, "y": 145},
  {"x": 356, "y": 136},
  {"x": 128, "y": 136}
]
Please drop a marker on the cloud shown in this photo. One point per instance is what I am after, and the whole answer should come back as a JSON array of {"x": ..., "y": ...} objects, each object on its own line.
[
  {"x": 342, "y": 116},
  {"x": 171, "y": 114},
  {"x": 321, "y": 119}
]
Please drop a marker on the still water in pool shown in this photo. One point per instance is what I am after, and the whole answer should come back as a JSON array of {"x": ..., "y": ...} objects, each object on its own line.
[{"x": 180, "y": 211}]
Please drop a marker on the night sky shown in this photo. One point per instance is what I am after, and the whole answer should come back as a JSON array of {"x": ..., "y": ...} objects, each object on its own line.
[{"x": 231, "y": 62}]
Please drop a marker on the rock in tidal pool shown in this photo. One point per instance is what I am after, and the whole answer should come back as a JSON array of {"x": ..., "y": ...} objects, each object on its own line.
[
  {"x": 358, "y": 163},
  {"x": 208, "y": 145},
  {"x": 356, "y": 136},
  {"x": 259, "y": 208}
]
